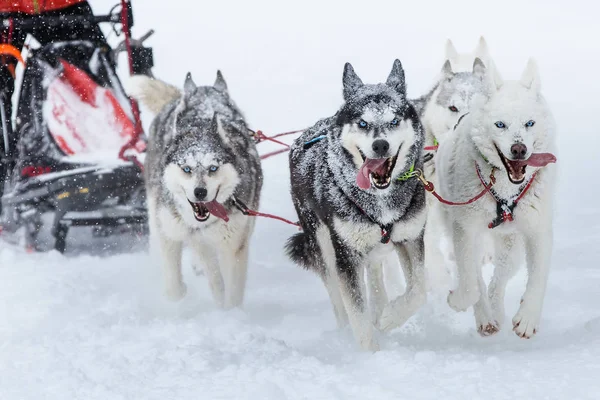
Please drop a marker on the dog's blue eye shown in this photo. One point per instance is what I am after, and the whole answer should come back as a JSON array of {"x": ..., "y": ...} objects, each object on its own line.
[
  {"x": 213, "y": 168},
  {"x": 394, "y": 121},
  {"x": 530, "y": 123},
  {"x": 500, "y": 124},
  {"x": 362, "y": 123},
  {"x": 186, "y": 169}
]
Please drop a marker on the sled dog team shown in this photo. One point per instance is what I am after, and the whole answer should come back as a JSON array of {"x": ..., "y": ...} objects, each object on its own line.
[{"x": 358, "y": 191}]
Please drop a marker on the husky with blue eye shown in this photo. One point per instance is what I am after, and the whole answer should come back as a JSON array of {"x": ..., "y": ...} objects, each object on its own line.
[
  {"x": 201, "y": 165},
  {"x": 506, "y": 142},
  {"x": 356, "y": 203}
]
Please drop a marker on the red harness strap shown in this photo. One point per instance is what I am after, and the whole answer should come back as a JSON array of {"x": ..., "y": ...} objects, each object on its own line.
[{"x": 504, "y": 208}]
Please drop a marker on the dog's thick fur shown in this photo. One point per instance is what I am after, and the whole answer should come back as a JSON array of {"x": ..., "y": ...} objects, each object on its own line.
[
  {"x": 451, "y": 94},
  {"x": 513, "y": 113},
  {"x": 342, "y": 223},
  {"x": 460, "y": 81},
  {"x": 200, "y": 154}
]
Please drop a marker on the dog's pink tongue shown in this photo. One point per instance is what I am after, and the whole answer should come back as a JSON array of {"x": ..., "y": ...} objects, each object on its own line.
[
  {"x": 370, "y": 165},
  {"x": 217, "y": 209},
  {"x": 541, "y": 159}
]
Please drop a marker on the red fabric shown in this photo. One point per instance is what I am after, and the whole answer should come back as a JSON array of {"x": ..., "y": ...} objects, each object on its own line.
[
  {"x": 35, "y": 6},
  {"x": 67, "y": 122}
]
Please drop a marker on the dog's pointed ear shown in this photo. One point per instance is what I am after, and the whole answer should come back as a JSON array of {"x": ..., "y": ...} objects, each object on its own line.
[
  {"x": 351, "y": 81},
  {"x": 396, "y": 78},
  {"x": 531, "y": 76},
  {"x": 220, "y": 83},
  {"x": 447, "y": 69},
  {"x": 189, "y": 87},
  {"x": 479, "y": 68},
  {"x": 482, "y": 50},
  {"x": 451, "y": 53}
]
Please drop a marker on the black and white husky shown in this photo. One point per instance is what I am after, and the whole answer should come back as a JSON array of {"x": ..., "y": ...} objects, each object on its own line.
[
  {"x": 350, "y": 189},
  {"x": 201, "y": 162}
]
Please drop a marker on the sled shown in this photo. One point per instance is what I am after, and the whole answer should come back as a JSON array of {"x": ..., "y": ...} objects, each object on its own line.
[{"x": 77, "y": 144}]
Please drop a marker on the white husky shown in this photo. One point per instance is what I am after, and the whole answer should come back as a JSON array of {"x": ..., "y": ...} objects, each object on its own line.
[{"x": 509, "y": 135}]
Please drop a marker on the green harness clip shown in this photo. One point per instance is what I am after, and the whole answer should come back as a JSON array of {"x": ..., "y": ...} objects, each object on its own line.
[{"x": 409, "y": 174}]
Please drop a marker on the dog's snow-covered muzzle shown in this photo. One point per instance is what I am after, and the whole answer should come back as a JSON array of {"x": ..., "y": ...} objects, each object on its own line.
[
  {"x": 516, "y": 169},
  {"x": 203, "y": 210},
  {"x": 376, "y": 172}
]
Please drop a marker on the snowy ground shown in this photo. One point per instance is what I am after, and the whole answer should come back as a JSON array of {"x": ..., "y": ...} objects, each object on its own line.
[{"x": 96, "y": 327}]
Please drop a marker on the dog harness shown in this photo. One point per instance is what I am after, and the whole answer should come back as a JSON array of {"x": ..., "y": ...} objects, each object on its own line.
[
  {"x": 504, "y": 207},
  {"x": 386, "y": 229},
  {"x": 308, "y": 144}
]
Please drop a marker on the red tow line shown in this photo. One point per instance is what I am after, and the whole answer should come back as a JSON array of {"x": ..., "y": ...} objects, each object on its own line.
[
  {"x": 260, "y": 137},
  {"x": 137, "y": 121},
  {"x": 431, "y": 189},
  {"x": 252, "y": 213}
]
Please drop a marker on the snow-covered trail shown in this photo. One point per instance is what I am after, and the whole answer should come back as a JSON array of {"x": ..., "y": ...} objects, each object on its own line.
[
  {"x": 91, "y": 327},
  {"x": 98, "y": 328}
]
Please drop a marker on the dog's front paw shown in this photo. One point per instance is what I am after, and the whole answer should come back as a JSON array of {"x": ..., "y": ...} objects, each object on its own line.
[
  {"x": 526, "y": 323},
  {"x": 390, "y": 317},
  {"x": 398, "y": 311},
  {"x": 369, "y": 344},
  {"x": 460, "y": 300},
  {"x": 176, "y": 292},
  {"x": 484, "y": 321},
  {"x": 488, "y": 329}
]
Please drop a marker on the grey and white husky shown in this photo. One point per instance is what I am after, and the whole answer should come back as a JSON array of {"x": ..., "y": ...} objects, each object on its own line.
[
  {"x": 452, "y": 93},
  {"x": 355, "y": 204},
  {"x": 201, "y": 162},
  {"x": 461, "y": 80}
]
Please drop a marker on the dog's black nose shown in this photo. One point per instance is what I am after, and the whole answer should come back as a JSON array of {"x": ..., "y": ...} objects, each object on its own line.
[
  {"x": 200, "y": 193},
  {"x": 381, "y": 147},
  {"x": 518, "y": 151}
]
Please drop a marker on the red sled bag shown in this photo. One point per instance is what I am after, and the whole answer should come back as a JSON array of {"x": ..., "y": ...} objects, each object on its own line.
[
  {"x": 86, "y": 119},
  {"x": 73, "y": 109}
]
